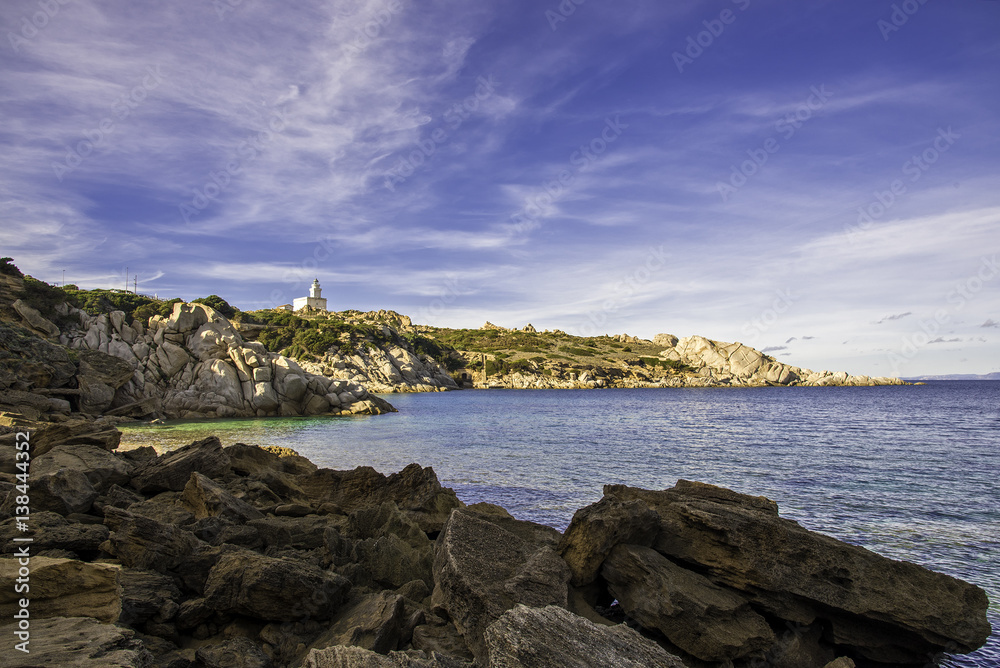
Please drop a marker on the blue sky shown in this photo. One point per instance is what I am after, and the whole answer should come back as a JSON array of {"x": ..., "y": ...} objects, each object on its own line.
[{"x": 818, "y": 180}]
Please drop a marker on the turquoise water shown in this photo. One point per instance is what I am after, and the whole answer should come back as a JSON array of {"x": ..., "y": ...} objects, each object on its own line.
[{"x": 910, "y": 472}]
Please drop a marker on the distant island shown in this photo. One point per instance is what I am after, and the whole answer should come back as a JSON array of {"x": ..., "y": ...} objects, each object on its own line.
[{"x": 960, "y": 376}]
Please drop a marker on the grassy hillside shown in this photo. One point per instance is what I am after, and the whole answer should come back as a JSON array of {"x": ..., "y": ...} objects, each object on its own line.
[{"x": 549, "y": 353}]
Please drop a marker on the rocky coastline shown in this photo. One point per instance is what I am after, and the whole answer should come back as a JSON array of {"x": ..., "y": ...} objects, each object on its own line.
[
  {"x": 192, "y": 364},
  {"x": 253, "y": 557},
  {"x": 693, "y": 361}
]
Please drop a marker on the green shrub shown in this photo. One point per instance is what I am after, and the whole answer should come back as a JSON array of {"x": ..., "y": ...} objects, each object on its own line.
[
  {"x": 218, "y": 303},
  {"x": 276, "y": 340},
  {"x": 147, "y": 311},
  {"x": 580, "y": 352},
  {"x": 44, "y": 297},
  {"x": 8, "y": 267},
  {"x": 674, "y": 365}
]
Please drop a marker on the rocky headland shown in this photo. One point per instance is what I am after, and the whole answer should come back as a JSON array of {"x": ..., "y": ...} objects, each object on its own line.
[
  {"x": 253, "y": 557},
  {"x": 189, "y": 360},
  {"x": 495, "y": 357},
  {"x": 192, "y": 363}
]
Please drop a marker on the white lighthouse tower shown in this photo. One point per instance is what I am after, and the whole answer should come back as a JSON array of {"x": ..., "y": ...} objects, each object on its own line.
[{"x": 314, "y": 300}]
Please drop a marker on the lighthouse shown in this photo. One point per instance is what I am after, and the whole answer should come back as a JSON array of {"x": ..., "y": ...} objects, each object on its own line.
[{"x": 314, "y": 300}]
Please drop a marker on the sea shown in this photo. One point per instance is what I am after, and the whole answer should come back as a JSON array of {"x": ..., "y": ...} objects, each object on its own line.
[{"x": 911, "y": 472}]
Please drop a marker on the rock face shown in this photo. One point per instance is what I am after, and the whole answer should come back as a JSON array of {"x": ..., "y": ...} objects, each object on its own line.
[
  {"x": 273, "y": 589},
  {"x": 172, "y": 471},
  {"x": 355, "y": 657},
  {"x": 78, "y": 642},
  {"x": 35, "y": 320},
  {"x": 415, "y": 490},
  {"x": 482, "y": 570},
  {"x": 703, "y": 619},
  {"x": 375, "y": 623},
  {"x": 63, "y": 587},
  {"x": 597, "y": 529},
  {"x": 666, "y": 361},
  {"x": 385, "y": 369},
  {"x": 196, "y": 364},
  {"x": 552, "y": 637},
  {"x": 32, "y": 371},
  {"x": 736, "y": 364},
  {"x": 887, "y": 611}
]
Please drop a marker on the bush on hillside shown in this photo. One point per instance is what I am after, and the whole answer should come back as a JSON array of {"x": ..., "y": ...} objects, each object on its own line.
[
  {"x": 8, "y": 267},
  {"x": 218, "y": 303}
]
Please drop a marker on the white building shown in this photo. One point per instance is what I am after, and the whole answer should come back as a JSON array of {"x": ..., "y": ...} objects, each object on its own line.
[{"x": 314, "y": 300}]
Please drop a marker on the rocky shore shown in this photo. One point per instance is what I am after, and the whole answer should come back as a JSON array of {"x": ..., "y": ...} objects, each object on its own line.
[
  {"x": 692, "y": 361},
  {"x": 192, "y": 364},
  {"x": 253, "y": 557}
]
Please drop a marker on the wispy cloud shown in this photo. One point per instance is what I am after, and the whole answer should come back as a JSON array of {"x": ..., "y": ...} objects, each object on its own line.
[
  {"x": 276, "y": 128},
  {"x": 895, "y": 316}
]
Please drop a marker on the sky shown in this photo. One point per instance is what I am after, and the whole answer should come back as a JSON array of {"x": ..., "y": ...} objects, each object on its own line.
[{"x": 819, "y": 180}]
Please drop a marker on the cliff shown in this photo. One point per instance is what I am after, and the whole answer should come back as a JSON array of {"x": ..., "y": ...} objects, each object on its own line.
[{"x": 192, "y": 363}]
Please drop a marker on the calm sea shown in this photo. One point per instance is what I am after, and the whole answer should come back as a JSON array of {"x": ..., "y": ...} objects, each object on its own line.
[{"x": 910, "y": 472}]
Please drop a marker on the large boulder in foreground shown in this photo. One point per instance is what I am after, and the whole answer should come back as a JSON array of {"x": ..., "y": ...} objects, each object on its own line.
[
  {"x": 144, "y": 543},
  {"x": 552, "y": 637},
  {"x": 267, "y": 588},
  {"x": 76, "y": 642},
  {"x": 888, "y": 611},
  {"x": 65, "y": 491},
  {"x": 374, "y": 622},
  {"x": 482, "y": 570},
  {"x": 62, "y": 587},
  {"x": 171, "y": 471},
  {"x": 598, "y": 528},
  {"x": 340, "y": 656},
  {"x": 415, "y": 490},
  {"x": 701, "y": 618}
]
